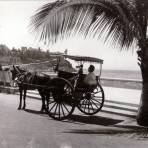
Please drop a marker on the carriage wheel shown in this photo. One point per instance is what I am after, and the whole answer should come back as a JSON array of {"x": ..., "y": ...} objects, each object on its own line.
[
  {"x": 61, "y": 103},
  {"x": 91, "y": 102}
]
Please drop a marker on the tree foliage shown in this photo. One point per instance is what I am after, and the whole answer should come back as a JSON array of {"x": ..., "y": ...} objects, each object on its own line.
[
  {"x": 25, "y": 54},
  {"x": 118, "y": 20}
]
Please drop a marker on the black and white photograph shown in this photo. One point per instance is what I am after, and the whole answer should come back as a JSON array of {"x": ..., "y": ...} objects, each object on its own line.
[{"x": 73, "y": 73}]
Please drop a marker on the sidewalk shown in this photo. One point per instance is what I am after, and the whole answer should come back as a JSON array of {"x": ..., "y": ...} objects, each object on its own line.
[
  {"x": 119, "y": 101},
  {"x": 122, "y": 95},
  {"x": 122, "y": 101},
  {"x": 130, "y": 96}
]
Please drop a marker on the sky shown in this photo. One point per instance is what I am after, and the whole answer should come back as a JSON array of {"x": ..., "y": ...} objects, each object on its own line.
[{"x": 15, "y": 16}]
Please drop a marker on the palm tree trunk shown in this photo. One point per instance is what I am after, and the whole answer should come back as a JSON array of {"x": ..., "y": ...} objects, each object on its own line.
[{"x": 142, "y": 116}]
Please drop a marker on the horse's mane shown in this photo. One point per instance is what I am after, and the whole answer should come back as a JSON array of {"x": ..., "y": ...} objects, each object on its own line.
[{"x": 34, "y": 78}]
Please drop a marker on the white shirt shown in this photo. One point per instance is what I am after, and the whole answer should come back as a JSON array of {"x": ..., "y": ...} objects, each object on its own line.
[{"x": 90, "y": 79}]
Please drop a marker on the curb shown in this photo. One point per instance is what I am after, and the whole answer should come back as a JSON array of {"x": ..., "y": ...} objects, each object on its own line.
[{"x": 8, "y": 89}]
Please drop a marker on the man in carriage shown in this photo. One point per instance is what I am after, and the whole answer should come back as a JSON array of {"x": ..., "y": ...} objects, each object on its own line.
[{"x": 90, "y": 78}]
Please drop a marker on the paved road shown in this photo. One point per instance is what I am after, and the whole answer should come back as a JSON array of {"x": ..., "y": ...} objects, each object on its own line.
[{"x": 30, "y": 129}]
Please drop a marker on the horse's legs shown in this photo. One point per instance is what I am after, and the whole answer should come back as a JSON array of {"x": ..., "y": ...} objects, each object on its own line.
[
  {"x": 21, "y": 93},
  {"x": 47, "y": 100},
  {"x": 43, "y": 103},
  {"x": 24, "y": 98},
  {"x": 43, "y": 100}
]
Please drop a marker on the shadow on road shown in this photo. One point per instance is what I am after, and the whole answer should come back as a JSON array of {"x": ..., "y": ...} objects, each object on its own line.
[
  {"x": 109, "y": 127},
  {"x": 98, "y": 120},
  {"x": 35, "y": 112},
  {"x": 139, "y": 133}
]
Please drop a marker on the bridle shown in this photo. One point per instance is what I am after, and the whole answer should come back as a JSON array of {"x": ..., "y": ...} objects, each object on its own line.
[{"x": 18, "y": 74}]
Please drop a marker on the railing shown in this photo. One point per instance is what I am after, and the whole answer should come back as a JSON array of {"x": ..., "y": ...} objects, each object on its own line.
[{"x": 6, "y": 80}]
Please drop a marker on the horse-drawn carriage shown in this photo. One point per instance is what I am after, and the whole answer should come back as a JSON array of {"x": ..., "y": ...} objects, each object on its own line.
[{"x": 67, "y": 91}]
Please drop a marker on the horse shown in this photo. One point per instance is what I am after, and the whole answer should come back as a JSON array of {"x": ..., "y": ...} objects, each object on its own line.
[{"x": 30, "y": 81}]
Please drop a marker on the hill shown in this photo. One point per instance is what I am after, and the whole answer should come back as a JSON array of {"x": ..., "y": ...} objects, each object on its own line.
[{"x": 24, "y": 56}]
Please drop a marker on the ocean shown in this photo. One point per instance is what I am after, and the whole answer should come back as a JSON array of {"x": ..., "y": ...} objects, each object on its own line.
[{"x": 122, "y": 74}]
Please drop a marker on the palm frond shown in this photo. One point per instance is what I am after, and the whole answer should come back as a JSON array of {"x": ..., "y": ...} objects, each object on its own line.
[{"x": 114, "y": 19}]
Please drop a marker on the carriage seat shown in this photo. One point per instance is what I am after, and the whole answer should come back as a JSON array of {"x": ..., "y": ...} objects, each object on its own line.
[
  {"x": 82, "y": 85},
  {"x": 65, "y": 74}
]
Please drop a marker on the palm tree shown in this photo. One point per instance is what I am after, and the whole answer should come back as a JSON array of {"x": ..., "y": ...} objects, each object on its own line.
[{"x": 122, "y": 22}]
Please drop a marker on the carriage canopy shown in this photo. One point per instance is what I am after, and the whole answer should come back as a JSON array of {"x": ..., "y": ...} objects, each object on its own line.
[{"x": 84, "y": 59}]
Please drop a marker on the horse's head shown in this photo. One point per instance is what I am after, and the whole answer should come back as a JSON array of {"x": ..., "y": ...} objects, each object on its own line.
[{"x": 16, "y": 71}]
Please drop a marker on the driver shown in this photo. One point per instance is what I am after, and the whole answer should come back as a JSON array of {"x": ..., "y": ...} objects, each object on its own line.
[
  {"x": 80, "y": 70},
  {"x": 90, "y": 78}
]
